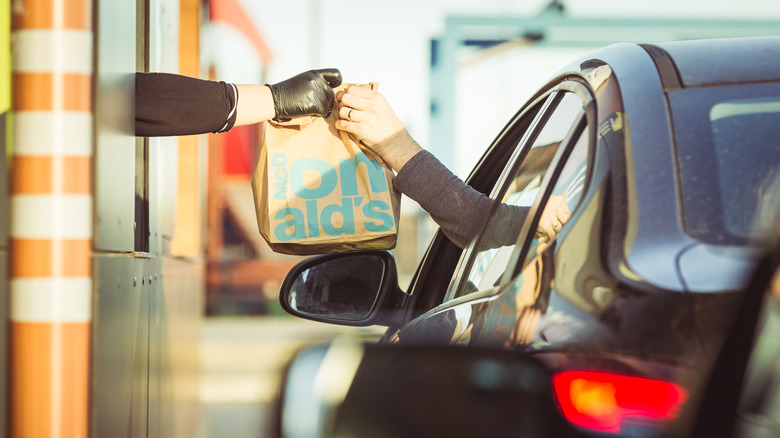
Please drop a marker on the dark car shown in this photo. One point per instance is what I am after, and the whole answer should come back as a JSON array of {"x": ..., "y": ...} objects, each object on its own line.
[
  {"x": 740, "y": 397},
  {"x": 667, "y": 157},
  {"x": 347, "y": 388}
]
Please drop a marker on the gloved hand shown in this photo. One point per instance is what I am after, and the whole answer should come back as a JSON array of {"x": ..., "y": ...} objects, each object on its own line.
[{"x": 309, "y": 93}]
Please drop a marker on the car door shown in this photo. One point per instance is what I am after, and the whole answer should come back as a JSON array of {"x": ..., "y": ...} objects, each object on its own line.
[
  {"x": 548, "y": 169},
  {"x": 434, "y": 273}
]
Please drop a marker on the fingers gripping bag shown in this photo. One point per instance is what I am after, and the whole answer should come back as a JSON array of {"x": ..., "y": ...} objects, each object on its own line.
[{"x": 318, "y": 190}]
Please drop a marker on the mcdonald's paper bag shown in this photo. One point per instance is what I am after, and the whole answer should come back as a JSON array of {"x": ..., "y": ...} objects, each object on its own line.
[{"x": 318, "y": 191}]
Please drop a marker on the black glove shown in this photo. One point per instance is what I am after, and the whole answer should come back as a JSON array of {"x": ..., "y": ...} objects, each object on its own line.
[{"x": 309, "y": 93}]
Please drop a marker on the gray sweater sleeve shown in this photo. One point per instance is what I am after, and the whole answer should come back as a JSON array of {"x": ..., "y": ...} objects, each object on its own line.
[{"x": 456, "y": 207}]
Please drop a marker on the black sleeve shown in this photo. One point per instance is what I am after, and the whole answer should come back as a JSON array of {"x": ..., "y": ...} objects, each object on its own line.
[{"x": 169, "y": 104}]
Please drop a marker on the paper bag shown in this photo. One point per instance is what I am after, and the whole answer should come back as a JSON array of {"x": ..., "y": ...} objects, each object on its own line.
[{"x": 317, "y": 191}]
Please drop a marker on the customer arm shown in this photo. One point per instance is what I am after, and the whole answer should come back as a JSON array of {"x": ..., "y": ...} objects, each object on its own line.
[{"x": 456, "y": 207}]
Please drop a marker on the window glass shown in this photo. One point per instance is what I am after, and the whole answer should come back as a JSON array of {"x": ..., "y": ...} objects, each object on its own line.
[
  {"x": 494, "y": 247},
  {"x": 564, "y": 198},
  {"x": 442, "y": 259},
  {"x": 743, "y": 131},
  {"x": 729, "y": 159}
]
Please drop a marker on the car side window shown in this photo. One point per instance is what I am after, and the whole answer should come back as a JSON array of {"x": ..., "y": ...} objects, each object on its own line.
[
  {"x": 495, "y": 248},
  {"x": 433, "y": 280},
  {"x": 563, "y": 199}
]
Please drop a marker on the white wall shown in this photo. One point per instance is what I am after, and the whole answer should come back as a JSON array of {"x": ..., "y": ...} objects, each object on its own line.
[{"x": 388, "y": 42}]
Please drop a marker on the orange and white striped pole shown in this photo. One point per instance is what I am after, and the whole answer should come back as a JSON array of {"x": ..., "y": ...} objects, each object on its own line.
[{"x": 51, "y": 218}]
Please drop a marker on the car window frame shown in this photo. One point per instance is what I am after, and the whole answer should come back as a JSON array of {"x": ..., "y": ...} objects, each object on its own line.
[
  {"x": 428, "y": 285},
  {"x": 552, "y": 97}
]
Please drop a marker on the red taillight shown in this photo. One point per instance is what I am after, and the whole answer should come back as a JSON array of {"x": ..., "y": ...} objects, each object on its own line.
[{"x": 604, "y": 401}]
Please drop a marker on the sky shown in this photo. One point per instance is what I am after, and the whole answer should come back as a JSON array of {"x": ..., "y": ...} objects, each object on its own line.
[{"x": 389, "y": 42}]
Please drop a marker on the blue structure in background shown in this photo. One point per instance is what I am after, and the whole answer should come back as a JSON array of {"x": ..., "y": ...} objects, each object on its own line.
[{"x": 552, "y": 28}]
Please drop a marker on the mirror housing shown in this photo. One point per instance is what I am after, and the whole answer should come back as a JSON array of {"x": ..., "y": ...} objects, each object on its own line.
[
  {"x": 392, "y": 390},
  {"x": 355, "y": 289}
]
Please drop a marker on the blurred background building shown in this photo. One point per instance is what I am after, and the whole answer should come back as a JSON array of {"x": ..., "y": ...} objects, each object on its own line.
[
  {"x": 454, "y": 71},
  {"x": 140, "y": 298}
]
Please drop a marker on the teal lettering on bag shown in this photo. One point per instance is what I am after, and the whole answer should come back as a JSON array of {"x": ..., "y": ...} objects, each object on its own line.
[
  {"x": 328, "y": 178},
  {"x": 347, "y": 214},
  {"x": 293, "y": 218},
  {"x": 349, "y": 169},
  {"x": 376, "y": 210},
  {"x": 279, "y": 163},
  {"x": 336, "y": 219},
  {"x": 312, "y": 221}
]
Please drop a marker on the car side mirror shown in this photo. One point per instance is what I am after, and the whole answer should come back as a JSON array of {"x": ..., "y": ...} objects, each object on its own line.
[
  {"x": 390, "y": 390},
  {"x": 356, "y": 289}
]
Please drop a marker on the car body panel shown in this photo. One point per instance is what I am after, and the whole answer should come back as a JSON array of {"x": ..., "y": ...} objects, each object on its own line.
[
  {"x": 651, "y": 245},
  {"x": 627, "y": 285},
  {"x": 638, "y": 302},
  {"x": 709, "y": 268},
  {"x": 723, "y": 61}
]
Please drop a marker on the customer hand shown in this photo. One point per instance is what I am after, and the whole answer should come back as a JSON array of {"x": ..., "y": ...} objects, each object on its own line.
[
  {"x": 309, "y": 93},
  {"x": 367, "y": 115},
  {"x": 555, "y": 215}
]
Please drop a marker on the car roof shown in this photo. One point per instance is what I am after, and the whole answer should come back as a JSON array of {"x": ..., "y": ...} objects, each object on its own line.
[
  {"x": 657, "y": 236},
  {"x": 724, "y": 61}
]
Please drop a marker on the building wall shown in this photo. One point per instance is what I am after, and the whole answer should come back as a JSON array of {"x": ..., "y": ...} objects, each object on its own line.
[{"x": 148, "y": 300}]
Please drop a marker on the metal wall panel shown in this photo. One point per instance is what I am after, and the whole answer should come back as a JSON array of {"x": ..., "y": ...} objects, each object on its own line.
[
  {"x": 174, "y": 356},
  {"x": 146, "y": 346},
  {"x": 161, "y": 402},
  {"x": 163, "y": 178},
  {"x": 115, "y": 124},
  {"x": 163, "y": 151},
  {"x": 120, "y": 346}
]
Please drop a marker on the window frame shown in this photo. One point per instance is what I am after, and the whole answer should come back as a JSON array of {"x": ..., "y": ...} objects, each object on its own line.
[
  {"x": 431, "y": 280},
  {"x": 580, "y": 125}
]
